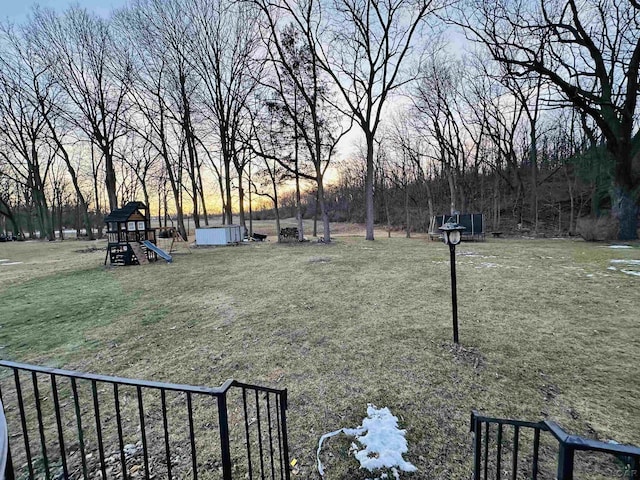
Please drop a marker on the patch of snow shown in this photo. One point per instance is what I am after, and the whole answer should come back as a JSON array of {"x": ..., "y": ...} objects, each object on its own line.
[
  {"x": 620, "y": 246},
  {"x": 589, "y": 275},
  {"x": 627, "y": 262},
  {"x": 631, "y": 272},
  {"x": 382, "y": 443},
  {"x": 10, "y": 263},
  {"x": 4, "y": 260},
  {"x": 488, "y": 265}
]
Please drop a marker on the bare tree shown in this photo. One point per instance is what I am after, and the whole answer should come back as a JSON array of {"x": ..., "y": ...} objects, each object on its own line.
[
  {"x": 79, "y": 50},
  {"x": 23, "y": 131},
  {"x": 369, "y": 42},
  {"x": 154, "y": 35},
  {"x": 223, "y": 51},
  {"x": 435, "y": 99},
  {"x": 300, "y": 83},
  {"x": 590, "y": 53}
]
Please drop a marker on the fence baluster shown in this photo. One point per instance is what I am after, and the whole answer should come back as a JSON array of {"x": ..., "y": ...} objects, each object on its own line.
[
  {"x": 166, "y": 431},
  {"x": 536, "y": 450},
  {"x": 499, "y": 454},
  {"x": 123, "y": 460},
  {"x": 76, "y": 402},
  {"x": 192, "y": 436},
  {"x": 96, "y": 410},
  {"x": 259, "y": 437},
  {"x": 23, "y": 420},
  {"x": 279, "y": 433},
  {"x": 43, "y": 442},
  {"x": 516, "y": 439},
  {"x": 486, "y": 450},
  {"x": 273, "y": 468},
  {"x": 143, "y": 432},
  {"x": 56, "y": 404},
  {"x": 246, "y": 431}
]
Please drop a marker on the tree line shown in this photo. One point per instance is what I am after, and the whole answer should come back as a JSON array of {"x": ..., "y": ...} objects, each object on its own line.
[{"x": 516, "y": 108}]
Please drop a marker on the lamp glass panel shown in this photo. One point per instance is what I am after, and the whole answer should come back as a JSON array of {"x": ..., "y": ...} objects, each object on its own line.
[{"x": 454, "y": 237}]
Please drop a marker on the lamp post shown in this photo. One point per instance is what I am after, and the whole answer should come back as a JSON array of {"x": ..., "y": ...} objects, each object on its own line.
[{"x": 452, "y": 234}]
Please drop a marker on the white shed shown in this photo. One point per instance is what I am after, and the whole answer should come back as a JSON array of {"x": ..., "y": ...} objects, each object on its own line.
[{"x": 224, "y": 235}]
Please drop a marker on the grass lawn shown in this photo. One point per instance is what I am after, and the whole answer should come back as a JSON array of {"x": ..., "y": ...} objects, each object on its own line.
[{"x": 547, "y": 330}]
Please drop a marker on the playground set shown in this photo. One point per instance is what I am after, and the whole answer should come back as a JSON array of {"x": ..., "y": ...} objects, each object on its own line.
[{"x": 131, "y": 240}]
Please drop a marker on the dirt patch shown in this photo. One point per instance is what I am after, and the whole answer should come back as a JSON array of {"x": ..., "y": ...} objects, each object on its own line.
[
  {"x": 90, "y": 250},
  {"x": 466, "y": 355},
  {"x": 319, "y": 260}
]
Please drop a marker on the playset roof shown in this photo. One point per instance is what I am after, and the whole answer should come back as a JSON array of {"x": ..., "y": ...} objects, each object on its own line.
[{"x": 123, "y": 214}]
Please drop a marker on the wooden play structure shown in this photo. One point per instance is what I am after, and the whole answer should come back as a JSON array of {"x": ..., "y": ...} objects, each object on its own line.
[
  {"x": 169, "y": 239},
  {"x": 131, "y": 240}
]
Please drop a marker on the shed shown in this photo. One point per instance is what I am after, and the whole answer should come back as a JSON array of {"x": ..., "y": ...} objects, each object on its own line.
[{"x": 224, "y": 235}]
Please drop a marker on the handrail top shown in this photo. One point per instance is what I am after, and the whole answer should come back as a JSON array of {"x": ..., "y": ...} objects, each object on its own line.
[
  {"x": 216, "y": 391},
  {"x": 575, "y": 442},
  {"x": 475, "y": 415},
  {"x": 580, "y": 443}
]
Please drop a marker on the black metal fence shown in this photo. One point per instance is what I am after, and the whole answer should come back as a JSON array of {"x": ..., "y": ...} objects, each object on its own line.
[
  {"x": 67, "y": 425},
  {"x": 516, "y": 449}
]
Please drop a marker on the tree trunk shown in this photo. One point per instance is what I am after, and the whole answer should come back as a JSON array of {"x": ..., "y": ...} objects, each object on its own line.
[
  {"x": 452, "y": 189},
  {"x": 533, "y": 160},
  {"x": 110, "y": 178},
  {"x": 406, "y": 210},
  {"x": 241, "y": 202},
  {"x": 625, "y": 210},
  {"x": 227, "y": 184},
  {"x": 368, "y": 189},
  {"x": 315, "y": 215},
  {"x": 250, "y": 205}
]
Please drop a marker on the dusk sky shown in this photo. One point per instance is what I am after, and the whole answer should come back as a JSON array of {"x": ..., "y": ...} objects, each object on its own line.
[{"x": 18, "y": 10}]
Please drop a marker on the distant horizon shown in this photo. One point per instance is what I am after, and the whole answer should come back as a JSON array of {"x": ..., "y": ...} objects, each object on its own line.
[{"x": 18, "y": 12}]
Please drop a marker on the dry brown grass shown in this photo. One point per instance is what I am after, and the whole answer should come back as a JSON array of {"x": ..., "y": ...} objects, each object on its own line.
[{"x": 546, "y": 332}]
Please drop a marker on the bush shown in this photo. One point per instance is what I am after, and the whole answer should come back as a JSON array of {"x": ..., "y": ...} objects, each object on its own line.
[{"x": 594, "y": 229}]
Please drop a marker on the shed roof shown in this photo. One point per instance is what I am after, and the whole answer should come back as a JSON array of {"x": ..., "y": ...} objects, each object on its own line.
[{"x": 123, "y": 214}]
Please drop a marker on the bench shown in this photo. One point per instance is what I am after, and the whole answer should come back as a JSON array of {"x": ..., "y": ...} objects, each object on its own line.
[
  {"x": 289, "y": 232},
  {"x": 258, "y": 237},
  {"x": 496, "y": 234}
]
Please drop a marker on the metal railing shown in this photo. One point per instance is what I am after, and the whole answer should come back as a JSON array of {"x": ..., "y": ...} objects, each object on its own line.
[
  {"x": 67, "y": 425},
  {"x": 520, "y": 451}
]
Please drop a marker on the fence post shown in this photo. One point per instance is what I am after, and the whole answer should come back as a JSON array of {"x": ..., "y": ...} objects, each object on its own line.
[
  {"x": 477, "y": 446},
  {"x": 285, "y": 440},
  {"x": 224, "y": 436},
  {"x": 565, "y": 462}
]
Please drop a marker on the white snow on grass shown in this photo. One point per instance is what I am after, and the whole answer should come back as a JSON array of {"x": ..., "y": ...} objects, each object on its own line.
[
  {"x": 626, "y": 263},
  {"x": 381, "y": 443},
  {"x": 631, "y": 272},
  {"x": 4, "y": 264},
  {"x": 488, "y": 265},
  {"x": 620, "y": 246}
]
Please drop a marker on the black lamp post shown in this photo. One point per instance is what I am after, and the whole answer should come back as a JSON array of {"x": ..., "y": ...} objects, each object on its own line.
[{"x": 452, "y": 234}]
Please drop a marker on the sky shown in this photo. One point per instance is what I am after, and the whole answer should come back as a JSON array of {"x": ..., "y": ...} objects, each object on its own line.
[{"x": 18, "y": 10}]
